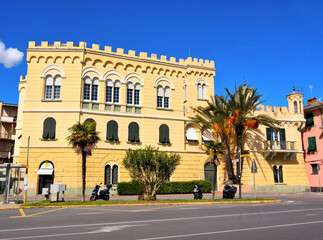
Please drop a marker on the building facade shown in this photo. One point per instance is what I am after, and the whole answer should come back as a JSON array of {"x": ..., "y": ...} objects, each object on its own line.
[
  {"x": 278, "y": 154},
  {"x": 8, "y": 120},
  {"x": 135, "y": 99},
  {"x": 312, "y": 135}
]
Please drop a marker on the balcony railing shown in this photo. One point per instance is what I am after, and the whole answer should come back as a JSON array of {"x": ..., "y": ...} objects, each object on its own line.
[
  {"x": 271, "y": 148},
  {"x": 8, "y": 136},
  {"x": 279, "y": 145},
  {"x": 8, "y": 119}
]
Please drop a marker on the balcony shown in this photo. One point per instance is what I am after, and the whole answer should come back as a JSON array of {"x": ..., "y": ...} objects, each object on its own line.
[
  {"x": 8, "y": 119},
  {"x": 271, "y": 148}
]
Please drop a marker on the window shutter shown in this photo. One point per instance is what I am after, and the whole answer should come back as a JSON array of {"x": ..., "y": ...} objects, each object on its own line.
[
  {"x": 46, "y": 128},
  {"x": 52, "y": 127},
  {"x": 282, "y": 135},
  {"x": 107, "y": 175},
  {"x": 109, "y": 131},
  {"x": 166, "y": 133},
  {"x": 90, "y": 120},
  {"x": 269, "y": 134},
  {"x": 281, "y": 180},
  {"x": 115, "y": 131},
  {"x": 131, "y": 133},
  {"x": 136, "y": 132},
  {"x": 309, "y": 119},
  {"x": 311, "y": 144},
  {"x": 275, "y": 174},
  {"x": 161, "y": 134},
  {"x": 115, "y": 174}
]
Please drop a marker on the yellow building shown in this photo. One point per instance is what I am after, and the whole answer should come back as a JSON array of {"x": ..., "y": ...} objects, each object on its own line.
[
  {"x": 136, "y": 100},
  {"x": 134, "y": 95}
]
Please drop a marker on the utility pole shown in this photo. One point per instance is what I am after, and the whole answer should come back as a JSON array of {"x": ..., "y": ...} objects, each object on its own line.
[{"x": 239, "y": 174}]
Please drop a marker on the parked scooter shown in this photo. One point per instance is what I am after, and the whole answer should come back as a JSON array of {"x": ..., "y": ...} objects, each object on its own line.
[
  {"x": 197, "y": 191},
  {"x": 104, "y": 194},
  {"x": 229, "y": 191}
]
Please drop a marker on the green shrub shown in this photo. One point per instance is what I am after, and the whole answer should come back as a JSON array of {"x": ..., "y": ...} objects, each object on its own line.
[{"x": 131, "y": 188}]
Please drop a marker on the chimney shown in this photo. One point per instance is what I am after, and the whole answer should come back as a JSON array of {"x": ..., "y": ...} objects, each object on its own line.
[{"x": 311, "y": 100}]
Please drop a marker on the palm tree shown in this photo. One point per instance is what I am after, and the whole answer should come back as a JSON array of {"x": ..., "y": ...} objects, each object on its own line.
[
  {"x": 216, "y": 117},
  {"x": 83, "y": 139},
  {"x": 241, "y": 106},
  {"x": 214, "y": 149}
]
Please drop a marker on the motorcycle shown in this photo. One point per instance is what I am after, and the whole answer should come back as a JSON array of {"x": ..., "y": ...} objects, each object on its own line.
[
  {"x": 229, "y": 191},
  {"x": 104, "y": 194},
  {"x": 197, "y": 191}
]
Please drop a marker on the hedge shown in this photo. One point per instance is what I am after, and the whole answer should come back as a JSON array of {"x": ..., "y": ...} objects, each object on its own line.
[{"x": 131, "y": 188}]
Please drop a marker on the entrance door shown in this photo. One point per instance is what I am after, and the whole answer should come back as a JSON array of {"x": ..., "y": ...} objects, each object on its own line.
[
  {"x": 208, "y": 174},
  {"x": 44, "y": 182},
  {"x": 45, "y": 176}
]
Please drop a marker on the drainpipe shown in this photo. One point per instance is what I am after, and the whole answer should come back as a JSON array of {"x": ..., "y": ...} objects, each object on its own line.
[{"x": 321, "y": 118}]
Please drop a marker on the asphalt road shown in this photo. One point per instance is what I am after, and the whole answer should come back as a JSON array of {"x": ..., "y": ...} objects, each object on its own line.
[{"x": 296, "y": 217}]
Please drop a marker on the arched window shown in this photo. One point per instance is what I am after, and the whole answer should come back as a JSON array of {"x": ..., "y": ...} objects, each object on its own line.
[
  {"x": 201, "y": 91},
  {"x": 49, "y": 128},
  {"x": 116, "y": 92},
  {"x": 295, "y": 107},
  {"x": 111, "y": 174},
  {"x": 129, "y": 93},
  {"x": 300, "y": 106},
  {"x": 163, "y": 97},
  {"x": 91, "y": 89},
  {"x": 115, "y": 174},
  {"x": 90, "y": 120},
  {"x": 108, "y": 94},
  {"x": 191, "y": 134},
  {"x": 133, "y": 132},
  {"x": 112, "y": 131},
  {"x": 164, "y": 134},
  {"x": 137, "y": 94},
  {"x": 278, "y": 174},
  {"x": 53, "y": 87},
  {"x": 207, "y": 135}
]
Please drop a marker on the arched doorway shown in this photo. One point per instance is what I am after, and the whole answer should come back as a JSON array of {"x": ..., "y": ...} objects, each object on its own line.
[
  {"x": 45, "y": 175},
  {"x": 208, "y": 174}
]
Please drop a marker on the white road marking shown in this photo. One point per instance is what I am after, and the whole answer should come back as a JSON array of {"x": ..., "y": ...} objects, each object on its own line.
[
  {"x": 104, "y": 229},
  {"x": 233, "y": 230},
  {"x": 161, "y": 220}
]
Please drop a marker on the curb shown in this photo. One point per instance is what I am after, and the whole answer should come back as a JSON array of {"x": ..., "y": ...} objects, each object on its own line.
[{"x": 144, "y": 204}]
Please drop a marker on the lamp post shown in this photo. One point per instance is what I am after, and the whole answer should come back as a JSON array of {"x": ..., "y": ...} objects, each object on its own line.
[{"x": 26, "y": 174}]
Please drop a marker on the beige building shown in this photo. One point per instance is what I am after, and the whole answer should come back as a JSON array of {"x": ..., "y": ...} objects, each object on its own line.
[
  {"x": 8, "y": 120},
  {"x": 136, "y": 100}
]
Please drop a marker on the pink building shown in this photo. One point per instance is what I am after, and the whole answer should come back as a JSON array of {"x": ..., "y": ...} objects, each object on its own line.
[{"x": 312, "y": 136}]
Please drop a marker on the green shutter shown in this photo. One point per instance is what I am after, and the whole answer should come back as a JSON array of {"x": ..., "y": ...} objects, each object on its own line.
[
  {"x": 109, "y": 131},
  {"x": 282, "y": 135},
  {"x": 115, "y": 131},
  {"x": 136, "y": 132},
  {"x": 130, "y": 132},
  {"x": 52, "y": 124},
  {"x": 269, "y": 134},
  {"x": 49, "y": 128},
  {"x": 311, "y": 144},
  {"x": 309, "y": 119},
  {"x": 90, "y": 120},
  {"x": 161, "y": 134}
]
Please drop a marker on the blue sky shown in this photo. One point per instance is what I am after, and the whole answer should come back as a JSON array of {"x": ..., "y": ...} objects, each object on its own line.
[{"x": 272, "y": 43}]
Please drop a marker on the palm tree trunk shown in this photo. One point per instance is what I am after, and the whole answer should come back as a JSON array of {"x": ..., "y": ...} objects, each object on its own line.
[
  {"x": 215, "y": 176},
  {"x": 239, "y": 148},
  {"x": 228, "y": 162},
  {"x": 83, "y": 175}
]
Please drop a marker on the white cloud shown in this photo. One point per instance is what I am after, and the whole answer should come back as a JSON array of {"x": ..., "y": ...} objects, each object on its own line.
[{"x": 10, "y": 57}]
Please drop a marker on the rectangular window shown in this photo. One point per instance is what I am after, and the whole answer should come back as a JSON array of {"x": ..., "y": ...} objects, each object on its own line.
[
  {"x": 94, "y": 93},
  {"x": 86, "y": 95},
  {"x": 137, "y": 94},
  {"x": 48, "y": 92},
  {"x": 159, "y": 102},
  {"x": 108, "y": 94},
  {"x": 166, "y": 102},
  {"x": 57, "y": 92},
  {"x": 309, "y": 119},
  {"x": 129, "y": 96},
  {"x": 311, "y": 144},
  {"x": 314, "y": 169},
  {"x": 116, "y": 95}
]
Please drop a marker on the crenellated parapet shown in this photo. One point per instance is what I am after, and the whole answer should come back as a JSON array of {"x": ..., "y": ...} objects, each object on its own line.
[{"x": 205, "y": 67}]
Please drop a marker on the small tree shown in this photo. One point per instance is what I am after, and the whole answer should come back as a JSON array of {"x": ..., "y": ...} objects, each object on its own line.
[
  {"x": 83, "y": 139},
  {"x": 214, "y": 149},
  {"x": 150, "y": 168}
]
